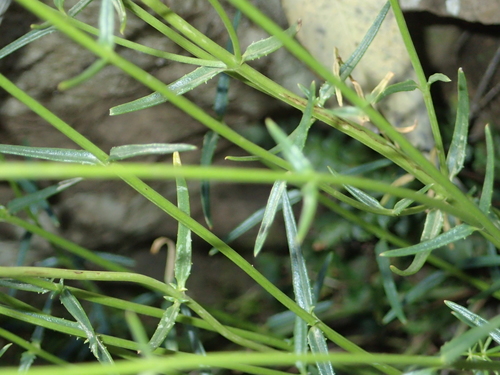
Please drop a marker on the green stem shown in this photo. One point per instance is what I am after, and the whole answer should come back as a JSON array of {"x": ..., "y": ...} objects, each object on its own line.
[
  {"x": 422, "y": 81},
  {"x": 229, "y": 27},
  {"x": 24, "y": 273}
]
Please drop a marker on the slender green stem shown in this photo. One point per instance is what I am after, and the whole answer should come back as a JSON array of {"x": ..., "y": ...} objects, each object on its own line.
[
  {"x": 229, "y": 27},
  {"x": 422, "y": 81},
  {"x": 22, "y": 273},
  {"x": 124, "y": 171},
  {"x": 63, "y": 243},
  {"x": 148, "y": 50}
]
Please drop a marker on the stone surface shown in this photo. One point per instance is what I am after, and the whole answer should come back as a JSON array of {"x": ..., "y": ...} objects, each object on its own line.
[{"x": 484, "y": 11}]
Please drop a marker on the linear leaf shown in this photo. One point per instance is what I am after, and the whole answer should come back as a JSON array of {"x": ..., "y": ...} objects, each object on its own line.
[
  {"x": 40, "y": 32},
  {"x": 438, "y": 77},
  {"x": 290, "y": 151},
  {"x": 388, "y": 281},
  {"x": 472, "y": 319},
  {"x": 183, "y": 246},
  {"x": 18, "y": 285},
  {"x": 122, "y": 14},
  {"x": 408, "y": 85},
  {"x": 487, "y": 192},
  {"x": 48, "y": 153},
  {"x": 277, "y": 191},
  {"x": 309, "y": 207},
  {"x": 405, "y": 202},
  {"x": 166, "y": 323},
  {"x": 76, "y": 310},
  {"x": 264, "y": 47},
  {"x": 84, "y": 76},
  {"x": 293, "y": 195},
  {"x": 453, "y": 349},
  {"x": 457, "y": 233},
  {"x": 432, "y": 227},
  {"x": 456, "y": 153},
  {"x": 300, "y": 133},
  {"x": 300, "y": 279},
  {"x": 300, "y": 342},
  {"x": 20, "y": 203},
  {"x": 4, "y": 349},
  {"x": 179, "y": 87},
  {"x": 350, "y": 64},
  {"x": 360, "y": 195},
  {"x": 130, "y": 151},
  {"x": 318, "y": 346}
]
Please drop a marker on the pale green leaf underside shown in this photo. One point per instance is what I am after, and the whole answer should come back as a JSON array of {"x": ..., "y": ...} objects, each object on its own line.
[
  {"x": 129, "y": 151},
  {"x": 20, "y": 203},
  {"x": 266, "y": 46},
  {"x": 457, "y": 233},
  {"x": 179, "y": 87}
]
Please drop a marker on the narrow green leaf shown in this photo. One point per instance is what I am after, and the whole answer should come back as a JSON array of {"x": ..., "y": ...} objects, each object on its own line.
[
  {"x": 179, "y": 87},
  {"x": 350, "y": 64},
  {"x": 309, "y": 207},
  {"x": 317, "y": 344},
  {"x": 106, "y": 23},
  {"x": 40, "y": 32},
  {"x": 487, "y": 192},
  {"x": 291, "y": 152},
  {"x": 122, "y": 14},
  {"x": 300, "y": 342},
  {"x": 76, "y": 310},
  {"x": 4, "y": 349},
  {"x": 53, "y": 154},
  {"x": 293, "y": 195},
  {"x": 300, "y": 279},
  {"x": 457, "y": 233},
  {"x": 388, "y": 281},
  {"x": 166, "y": 323},
  {"x": 207, "y": 152},
  {"x": 277, "y": 191},
  {"x": 432, "y": 227},
  {"x": 405, "y": 202},
  {"x": 299, "y": 135},
  {"x": 17, "y": 204},
  {"x": 408, "y": 85},
  {"x": 453, "y": 349},
  {"x": 264, "y": 47},
  {"x": 27, "y": 359},
  {"x": 18, "y": 285},
  {"x": 183, "y": 249},
  {"x": 456, "y": 153},
  {"x": 472, "y": 319},
  {"x": 130, "y": 151},
  {"x": 84, "y": 76},
  {"x": 360, "y": 195},
  {"x": 438, "y": 77}
]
